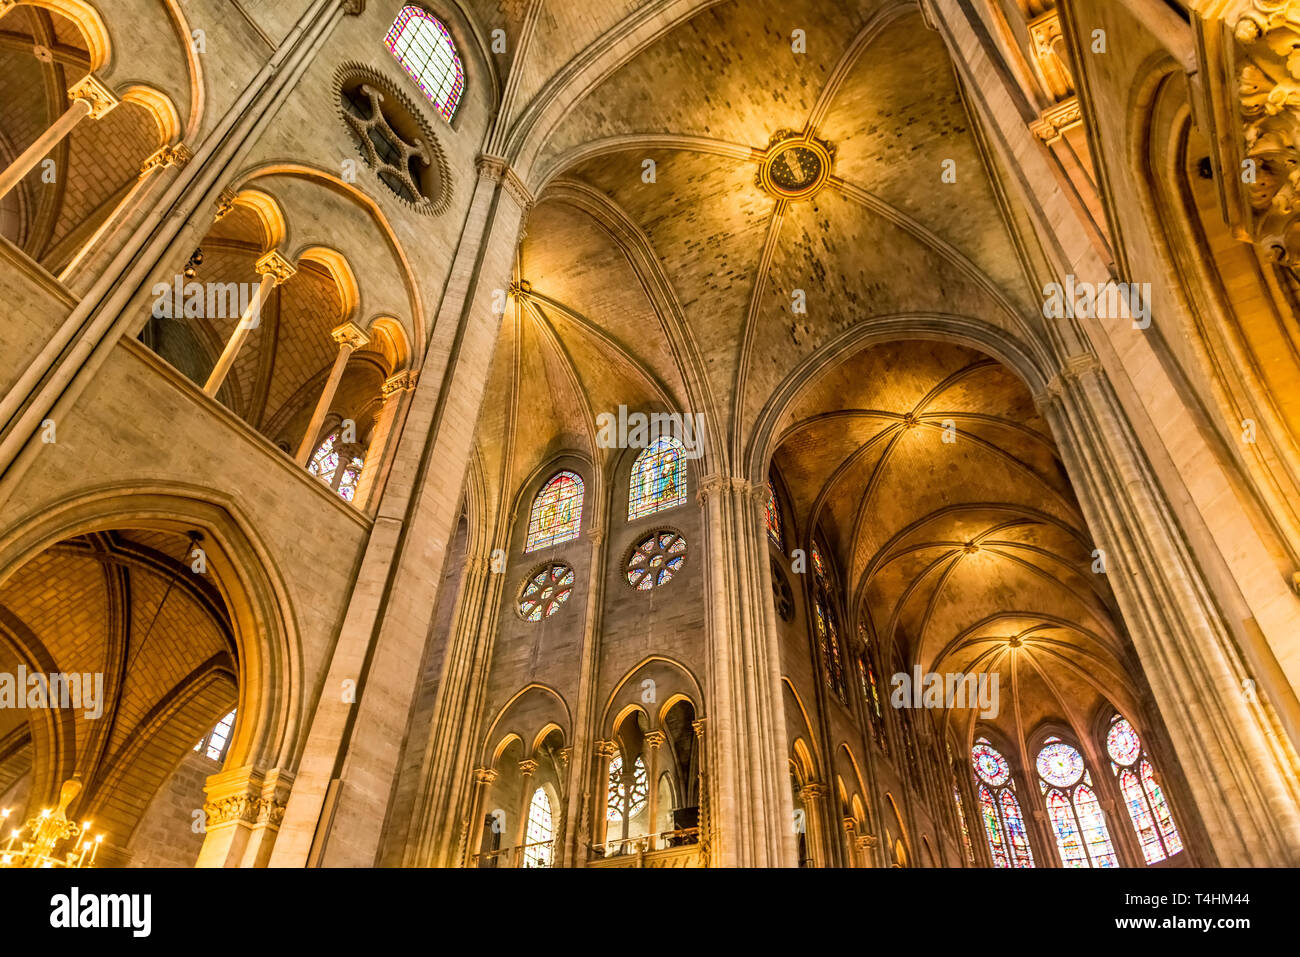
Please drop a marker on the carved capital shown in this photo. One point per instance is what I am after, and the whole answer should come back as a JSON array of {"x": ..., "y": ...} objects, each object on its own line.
[
  {"x": 812, "y": 791},
  {"x": 397, "y": 384},
  {"x": 698, "y": 727},
  {"x": 565, "y": 754},
  {"x": 349, "y": 335},
  {"x": 485, "y": 776},
  {"x": 1253, "y": 99},
  {"x": 225, "y": 203},
  {"x": 655, "y": 739},
  {"x": 178, "y": 156},
  {"x": 275, "y": 265},
  {"x": 606, "y": 749},
  {"x": 99, "y": 97},
  {"x": 353, "y": 8},
  {"x": 1056, "y": 120},
  {"x": 499, "y": 171},
  {"x": 1049, "y": 51}
]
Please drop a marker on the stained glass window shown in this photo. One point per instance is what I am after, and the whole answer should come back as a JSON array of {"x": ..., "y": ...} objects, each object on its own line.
[
  {"x": 540, "y": 831},
  {"x": 819, "y": 565},
  {"x": 658, "y": 478},
  {"x": 1147, "y": 807},
  {"x": 426, "y": 51},
  {"x": 1004, "y": 824},
  {"x": 325, "y": 464},
  {"x": 1072, "y": 807},
  {"x": 213, "y": 744},
  {"x": 870, "y": 690},
  {"x": 557, "y": 512},
  {"x": 828, "y": 633},
  {"x": 544, "y": 591},
  {"x": 655, "y": 561},
  {"x": 993, "y": 828},
  {"x": 772, "y": 515},
  {"x": 961, "y": 820},
  {"x": 1021, "y": 855}
]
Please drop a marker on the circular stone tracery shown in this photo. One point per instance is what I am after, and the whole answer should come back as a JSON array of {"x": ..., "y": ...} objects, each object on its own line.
[
  {"x": 545, "y": 590},
  {"x": 1123, "y": 743},
  {"x": 655, "y": 560},
  {"x": 991, "y": 766},
  {"x": 1060, "y": 764},
  {"x": 795, "y": 167}
]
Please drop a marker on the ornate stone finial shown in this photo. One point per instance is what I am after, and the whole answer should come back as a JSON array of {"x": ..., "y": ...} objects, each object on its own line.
[
  {"x": 275, "y": 265},
  {"x": 655, "y": 739},
  {"x": 99, "y": 97},
  {"x": 349, "y": 334}
]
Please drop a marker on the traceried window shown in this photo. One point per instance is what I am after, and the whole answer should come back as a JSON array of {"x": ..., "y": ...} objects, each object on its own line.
[
  {"x": 557, "y": 512},
  {"x": 213, "y": 744},
  {"x": 772, "y": 516},
  {"x": 827, "y": 622},
  {"x": 655, "y": 560},
  {"x": 871, "y": 690},
  {"x": 1072, "y": 807},
  {"x": 1147, "y": 806},
  {"x": 544, "y": 591},
  {"x": 540, "y": 831},
  {"x": 961, "y": 820},
  {"x": 1004, "y": 824},
  {"x": 338, "y": 465},
  {"x": 426, "y": 51},
  {"x": 624, "y": 801},
  {"x": 658, "y": 478}
]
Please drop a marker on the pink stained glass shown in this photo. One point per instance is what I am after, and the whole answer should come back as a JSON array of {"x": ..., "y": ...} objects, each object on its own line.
[
  {"x": 1068, "y": 841},
  {"x": 990, "y": 765},
  {"x": 772, "y": 516},
  {"x": 1160, "y": 808},
  {"x": 425, "y": 49},
  {"x": 1017, "y": 838},
  {"x": 557, "y": 512},
  {"x": 1123, "y": 743},
  {"x": 819, "y": 566},
  {"x": 993, "y": 828},
  {"x": 1143, "y": 823},
  {"x": 1093, "y": 824}
]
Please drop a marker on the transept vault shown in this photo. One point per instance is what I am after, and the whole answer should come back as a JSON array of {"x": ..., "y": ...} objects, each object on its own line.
[{"x": 542, "y": 433}]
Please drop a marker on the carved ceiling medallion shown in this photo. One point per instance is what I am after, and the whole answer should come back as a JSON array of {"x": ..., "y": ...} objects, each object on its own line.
[{"x": 795, "y": 166}]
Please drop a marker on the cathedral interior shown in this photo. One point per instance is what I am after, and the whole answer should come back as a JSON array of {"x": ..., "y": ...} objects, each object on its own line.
[{"x": 650, "y": 433}]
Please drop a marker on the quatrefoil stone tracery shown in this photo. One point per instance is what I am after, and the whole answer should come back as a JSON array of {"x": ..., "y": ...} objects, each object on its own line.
[{"x": 378, "y": 124}]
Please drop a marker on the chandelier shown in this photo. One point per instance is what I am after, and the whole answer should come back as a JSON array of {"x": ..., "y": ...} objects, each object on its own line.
[{"x": 52, "y": 840}]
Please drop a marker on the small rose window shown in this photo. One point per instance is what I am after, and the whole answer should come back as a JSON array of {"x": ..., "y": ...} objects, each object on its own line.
[
  {"x": 655, "y": 561},
  {"x": 545, "y": 590}
]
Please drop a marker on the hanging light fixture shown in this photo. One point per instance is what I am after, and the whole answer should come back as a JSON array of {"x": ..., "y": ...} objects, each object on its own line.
[{"x": 51, "y": 839}]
